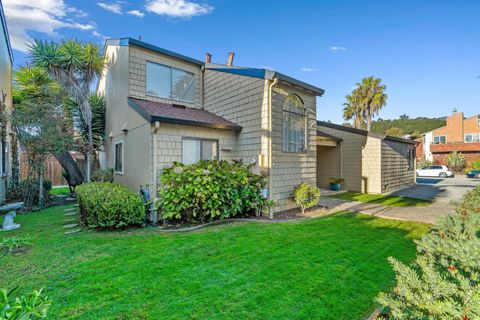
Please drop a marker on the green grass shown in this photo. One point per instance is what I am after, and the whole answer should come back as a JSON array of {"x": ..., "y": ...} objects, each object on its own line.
[
  {"x": 59, "y": 190},
  {"x": 392, "y": 201},
  {"x": 325, "y": 268}
]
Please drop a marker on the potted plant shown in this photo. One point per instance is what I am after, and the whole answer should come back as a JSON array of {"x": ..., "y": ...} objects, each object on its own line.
[{"x": 335, "y": 183}]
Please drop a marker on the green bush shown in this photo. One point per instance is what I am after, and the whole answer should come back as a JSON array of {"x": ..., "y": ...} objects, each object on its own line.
[
  {"x": 306, "y": 195},
  {"x": 28, "y": 191},
  {"x": 423, "y": 163},
  {"x": 209, "y": 190},
  {"x": 475, "y": 165},
  {"x": 109, "y": 205},
  {"x": 456, "y": 161},
  {"x": 103, "y": 175},
  {"x": 443, "y": 282},
  {"x": 13, "y": 244},
  {"x": 32, "y": 306}
]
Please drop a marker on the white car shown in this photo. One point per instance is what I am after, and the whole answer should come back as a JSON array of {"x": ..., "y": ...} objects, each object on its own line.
[{"x": 435, "y": 171}]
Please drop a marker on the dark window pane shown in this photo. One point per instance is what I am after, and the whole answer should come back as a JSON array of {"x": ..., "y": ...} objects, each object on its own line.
[{"x": 119, "y": 157}]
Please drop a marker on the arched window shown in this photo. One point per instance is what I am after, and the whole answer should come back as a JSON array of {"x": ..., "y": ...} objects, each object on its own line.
[{"x": 294, "y": 124}]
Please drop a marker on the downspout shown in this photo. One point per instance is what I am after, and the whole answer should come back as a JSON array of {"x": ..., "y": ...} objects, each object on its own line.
[
  {"x": 270, "y": 157},
  {"x": 155, "y": 167}
]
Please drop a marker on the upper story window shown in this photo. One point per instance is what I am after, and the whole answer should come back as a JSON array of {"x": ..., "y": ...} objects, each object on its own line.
[
  {"x": 170, "y": 83},
  {"x": 439, "y": 139},
  {"x": 294, "y": 124},
  {"x": 472, "y": 137}
]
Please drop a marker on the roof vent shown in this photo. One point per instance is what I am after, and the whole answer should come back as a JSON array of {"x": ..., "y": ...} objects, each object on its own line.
[
  {"x": 231, "y": 55},
  {"x": 178, "y": 106}
]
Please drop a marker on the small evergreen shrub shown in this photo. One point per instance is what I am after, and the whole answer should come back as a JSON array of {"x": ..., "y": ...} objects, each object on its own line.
[
  {"x": 456, "y": 161},
  {"x": 103, "y": 175},
  {"x": 109, "y": 205},
  {"x": 306, "y": 195},
  {"x": 208, "y": 190},
  {"x": 443, "y": 282},
  {"x": 32, "y": 306}
]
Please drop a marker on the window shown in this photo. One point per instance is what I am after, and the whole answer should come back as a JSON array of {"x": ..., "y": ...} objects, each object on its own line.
[
  {"x": 472, "y": 137},
  {"x": 2, "y": 157},
  {"x": 411, "y": 159},
  {"x": 118, "y": 157},
  {"x": 194, "y": 150},
  {"x": 294, "y": 124},
  {"x": 170, "y": 83},
  {"x": 439, "y": 140}
]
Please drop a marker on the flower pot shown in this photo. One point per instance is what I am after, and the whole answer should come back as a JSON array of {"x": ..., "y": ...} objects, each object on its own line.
[{"x": 335, "y": 186}]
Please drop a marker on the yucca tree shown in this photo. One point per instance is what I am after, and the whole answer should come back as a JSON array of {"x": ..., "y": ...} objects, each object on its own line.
[
  {"x": 365, "y": 101},
  {"x": 97, "y": 105},
  {"x": 75, "y": 66}
]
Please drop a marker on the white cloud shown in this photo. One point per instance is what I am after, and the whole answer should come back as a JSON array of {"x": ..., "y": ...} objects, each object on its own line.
[
  {"x": 307, "y": 69},
  {"x": 45, "y": 16},
  {"x": 177, "y": 8},
  {"x": 136, "y": 13},
  {"x": 337, "y": 49},
  {"x": 112, "y": 7}
]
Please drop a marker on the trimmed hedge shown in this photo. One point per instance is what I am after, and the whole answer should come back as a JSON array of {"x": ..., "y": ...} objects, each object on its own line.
[
  {"x": 109, "y": 205},
  {"x": 208, "y": 190}
]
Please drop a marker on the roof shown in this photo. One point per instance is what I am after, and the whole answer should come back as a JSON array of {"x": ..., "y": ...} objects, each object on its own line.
[
  {"x": 364, "y": 132},
  {"x": 329, "y": 136},
  {"x": 5, "y": 31},
  {"x": 141, "y": 44},
  {"x": 171, "y": 113},
  {"x": 265, "y": 74}
]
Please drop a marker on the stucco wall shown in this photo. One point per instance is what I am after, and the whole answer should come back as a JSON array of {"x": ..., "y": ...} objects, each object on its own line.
[
  {"x": 396, "y": 173},
  {"x": 328, "y": 164},
  {"x": 5, "y": 87},
  {"x": 290, "y": 169}
]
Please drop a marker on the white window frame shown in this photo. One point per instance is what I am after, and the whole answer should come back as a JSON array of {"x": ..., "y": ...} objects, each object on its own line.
[
  {"x": 171, "y": 82},
  {"x": 115, "y": 157},
  {"x": 443, "y": 135},
  {"x": 472, "y": 134}
]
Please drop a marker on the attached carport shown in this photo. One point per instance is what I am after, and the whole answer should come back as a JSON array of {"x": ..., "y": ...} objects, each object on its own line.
[{"x": 329, "y": 160}]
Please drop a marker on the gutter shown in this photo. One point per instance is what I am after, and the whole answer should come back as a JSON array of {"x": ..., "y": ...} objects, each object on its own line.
[{"x": 270, "y": 157}]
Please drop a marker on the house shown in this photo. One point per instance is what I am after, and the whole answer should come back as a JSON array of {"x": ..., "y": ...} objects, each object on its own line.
[
  {"x": 162, "y": 107},
  {"x": 6, "y": 61},
  {"x": 368, "y": 162},
  {"x": 459, "y": 134}
]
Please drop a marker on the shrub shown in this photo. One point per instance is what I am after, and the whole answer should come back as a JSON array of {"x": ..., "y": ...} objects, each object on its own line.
[
  {"x": 103, "y": 175},
  {"x": 28, "y": 191},
  {"x": 306, "y": 195},
  {"x": 423, "y": 163},
  {"x": 109, "y": 205},
  {"x": 32, "y": 306},
  {"x": 209, "y": 190},
  {"x": 475, "y": 165},
  {"x": 456, "y": 161},
  {"x": 443, "y": 281},
  {"x": 13, "y": 244}
]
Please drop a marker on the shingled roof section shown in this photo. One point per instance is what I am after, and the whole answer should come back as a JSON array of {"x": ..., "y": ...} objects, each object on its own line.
[{"x": 179, "y": 114}]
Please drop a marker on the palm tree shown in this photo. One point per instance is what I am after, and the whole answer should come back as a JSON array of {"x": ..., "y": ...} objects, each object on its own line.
[
  {"x": 365, "y": 102},
  {"x": 75, "y": 66}
]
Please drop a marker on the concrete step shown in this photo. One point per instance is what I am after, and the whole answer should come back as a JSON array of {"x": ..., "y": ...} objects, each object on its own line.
[
  {"x": 71, "y": 214},
  {"x": 72, "y": 225},
  {"x": 72, "y": 231}
]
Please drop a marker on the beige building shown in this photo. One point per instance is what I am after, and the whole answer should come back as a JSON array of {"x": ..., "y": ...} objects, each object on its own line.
[
  {"x": 163, "y": 107},
  {"x": 6, "y": 60},
  {"x": 369, "y": 163}
]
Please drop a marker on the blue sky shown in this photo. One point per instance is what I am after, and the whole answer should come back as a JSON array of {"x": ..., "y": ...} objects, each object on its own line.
[{"x": 426, "y": 52}]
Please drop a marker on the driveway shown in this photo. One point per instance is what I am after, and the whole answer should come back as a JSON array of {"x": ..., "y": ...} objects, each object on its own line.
[{"x": 440, "y": 191}]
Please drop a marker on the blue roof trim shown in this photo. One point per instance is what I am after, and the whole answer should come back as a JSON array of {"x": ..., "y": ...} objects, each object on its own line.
[
  {"x": 249, "y": 72},
  {"x": 138, "y": 43},
  {"x": 5, "y": 30}
]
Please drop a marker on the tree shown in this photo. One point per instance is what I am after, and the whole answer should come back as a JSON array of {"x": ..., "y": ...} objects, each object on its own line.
[
  {"x": 365, "y": 101},
  {"x": 395, "y": 132},
  {"x": 75, "y": 66},
  {"x": 456, "y": 161}
]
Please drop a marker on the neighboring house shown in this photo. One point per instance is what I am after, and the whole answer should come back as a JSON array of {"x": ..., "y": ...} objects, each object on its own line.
[
  {"x": 163, "y": 107},
  {"x": 6, "y": 60},
  {"x": 459, "y": 134},
  {"x": 369, "y": 162}
]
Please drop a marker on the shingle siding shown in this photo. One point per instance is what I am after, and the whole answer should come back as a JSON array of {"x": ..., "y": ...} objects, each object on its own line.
[{"x": 396, "y": 173}]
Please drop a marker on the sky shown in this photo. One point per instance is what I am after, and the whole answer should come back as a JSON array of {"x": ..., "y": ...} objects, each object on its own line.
[{"x": 426, "y": 52}]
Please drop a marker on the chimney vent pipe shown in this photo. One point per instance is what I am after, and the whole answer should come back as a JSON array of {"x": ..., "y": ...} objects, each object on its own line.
[{"x": 231, "y": 55}]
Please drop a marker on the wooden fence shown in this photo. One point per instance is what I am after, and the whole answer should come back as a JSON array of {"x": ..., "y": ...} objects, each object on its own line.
[{"x": 53, "y": 169}]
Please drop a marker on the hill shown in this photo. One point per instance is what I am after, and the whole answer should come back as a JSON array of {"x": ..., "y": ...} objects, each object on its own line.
[{"x": 407, "y": 125}]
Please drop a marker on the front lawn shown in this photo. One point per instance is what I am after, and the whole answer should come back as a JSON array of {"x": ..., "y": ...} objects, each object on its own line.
[
  {"x": 392, "y": 201},
  {"x": 59, "y": 190},
  {"x": 325, "y": 268}
]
